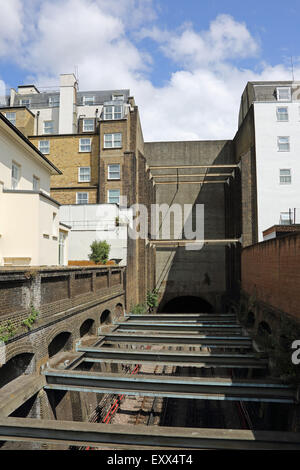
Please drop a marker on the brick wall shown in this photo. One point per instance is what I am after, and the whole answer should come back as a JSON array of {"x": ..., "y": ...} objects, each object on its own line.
[
  {"x": 55, "y": 293},
  {"x": 271, "y": 274}
]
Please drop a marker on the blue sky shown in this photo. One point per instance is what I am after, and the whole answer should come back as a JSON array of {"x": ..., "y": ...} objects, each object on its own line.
[{"x": 174, "y": 55}]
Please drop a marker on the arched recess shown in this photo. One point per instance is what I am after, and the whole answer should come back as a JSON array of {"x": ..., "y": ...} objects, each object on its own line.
[
  {"x": 187, "y": 304},
  {"x": 264, "y": 329},
  {"x": 105, "y": 318},
  {"x": 250, "y": 320},
  {"x": 16, "y": 366},
  {"x": 119, "y": 311},
  {"x": 87, "y": 328},
  {"x": 61, "y": 342}
]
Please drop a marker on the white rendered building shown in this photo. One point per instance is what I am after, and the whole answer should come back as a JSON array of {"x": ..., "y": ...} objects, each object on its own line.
[
  {"x": 99, "y": 222},
  {"x": 276, "y": 121}
]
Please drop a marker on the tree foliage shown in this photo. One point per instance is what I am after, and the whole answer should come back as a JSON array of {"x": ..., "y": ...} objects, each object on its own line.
[{"x": 99, "y": 251}]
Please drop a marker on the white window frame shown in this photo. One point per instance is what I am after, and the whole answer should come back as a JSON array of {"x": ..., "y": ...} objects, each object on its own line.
[
  {"x": 108, "y": 196},
  {"x": 48, "y": 151},
  {"x": 77, "y": 198},
  {"x": 118, "y": 97},
  {"x": 113, "y": 141},
  {"x": 81, "y": 178},
  {"x": 81, "y": 145},
  {"x": 54, "y": 101},
  {"x": 84, "y": 125},
  {"x": 279, "y": 115},
  {"x": 46, "y": 130},
  {"x": 282, "y": 143},
  {"x": 281, "y": 181},
  {"x": 27, "y": 100},
  {"x": 109, "y": 173},
  {"x": 280, "y": 89},
  {"x": 13, "y": 121},
  {"x": 35, "y": 183},
  {"x": 15, "y": 180},
  {"x": 86, "y": 100},
  {"x": 114, "y": 114}
]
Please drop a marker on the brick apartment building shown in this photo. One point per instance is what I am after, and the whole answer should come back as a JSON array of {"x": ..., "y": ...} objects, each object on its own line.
[{"x": 94, "y": 137}]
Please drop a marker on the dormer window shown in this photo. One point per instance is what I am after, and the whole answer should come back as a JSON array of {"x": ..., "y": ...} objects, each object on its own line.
[
  {"x": 88, "y": 100},
  {"x": 113, "y": 112},
  {"x": 25, "y": 102},
  {"x": 283, "y": 93},
  {"x": 118, "y": 97},
  {"x": 53, "y": 101}
]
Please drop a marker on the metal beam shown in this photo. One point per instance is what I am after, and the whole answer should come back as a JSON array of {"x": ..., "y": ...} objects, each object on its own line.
[
  {"x": 171, "y": 387},
  {"x": 180, "y": 327},
  {"x": 185, "y": 242},
  {"x": 176, "y": 358},
  {"x": 190, "y": 182},
  {"x": 18, "y": 391},
  {"x": 211, "y": 341},
  {"x": 142, "y": 437},
  {"x": 183, "y": 317},
  {"x": 191, "y": 166},
  {"x": 191, "y": 176}
]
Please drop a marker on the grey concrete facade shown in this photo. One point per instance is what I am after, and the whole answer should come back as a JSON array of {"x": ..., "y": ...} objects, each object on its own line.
[{"x": 201, "y": 273}]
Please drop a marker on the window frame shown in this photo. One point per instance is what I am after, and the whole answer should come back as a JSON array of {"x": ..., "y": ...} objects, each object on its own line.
[
  {"x": 108, "y": 196},
  {"x": 77, "y": 199},
  {"x": 83, "y": 125},
  {"x": 288, "y": 143},
  {"x": 116, "y": 97},
  {"x": 278, "y": 114},
  {"x": 45, "y": 153},
  {"x": 80, "y": 176},
  {"x": 27, "y": 100},
  {"x": 87, "y": 97},
  {"x": 108, "y": 171},
  {"x": 35, "y": 178},
  {"x": 17, "y": 180},
  {"x": 285, "y": 176},
  {"x": 90, "y": 145},
  {"x": 279, "y": 88},
  {"x": 52, "y": 127},
  {"x": 12, "y": 121},
  {"x": 113, "y": 146},
  {"x": 113, "y": 112},
  {"x": 53, "y": 103}
]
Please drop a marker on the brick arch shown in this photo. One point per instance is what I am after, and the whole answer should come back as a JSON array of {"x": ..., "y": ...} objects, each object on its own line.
[
  {"x": 87, "y": 321},
  {"x": 19, "y": 348},
  {"x": 56, "y": 331},
  {"x": 106, "y": 317}
]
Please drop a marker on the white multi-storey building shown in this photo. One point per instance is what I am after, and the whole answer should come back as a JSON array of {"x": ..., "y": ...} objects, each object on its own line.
[
  {"x": 64, "y": 110},
  {"x": 275, "y": 108}
]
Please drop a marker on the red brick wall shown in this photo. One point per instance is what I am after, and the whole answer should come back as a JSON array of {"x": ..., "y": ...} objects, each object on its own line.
[{"x": 271, "y": 272}]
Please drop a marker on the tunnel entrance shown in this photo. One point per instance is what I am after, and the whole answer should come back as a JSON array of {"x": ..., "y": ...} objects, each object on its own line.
[
  {"x": 187, "y": 304},
  {"x": 18, "y": 365}
]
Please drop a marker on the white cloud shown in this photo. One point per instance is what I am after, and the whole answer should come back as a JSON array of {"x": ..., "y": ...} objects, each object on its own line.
[
  {"x": 201, "y": 98},
  {"x": 225, "y": 39},
  {"x": 11, "y": 28}
]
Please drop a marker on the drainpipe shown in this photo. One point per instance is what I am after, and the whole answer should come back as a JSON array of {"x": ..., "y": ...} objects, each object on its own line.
[{"x": 37, "y": 122}]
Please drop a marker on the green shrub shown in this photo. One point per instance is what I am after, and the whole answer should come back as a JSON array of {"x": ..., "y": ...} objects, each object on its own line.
[
  {"x": 152, "y": 299},
  {"x": 31, "y": 319},
  {"x": 139, "y": 309},
  {"x": 7, "y": 332},
  {"x": 100, "y": 251}
]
